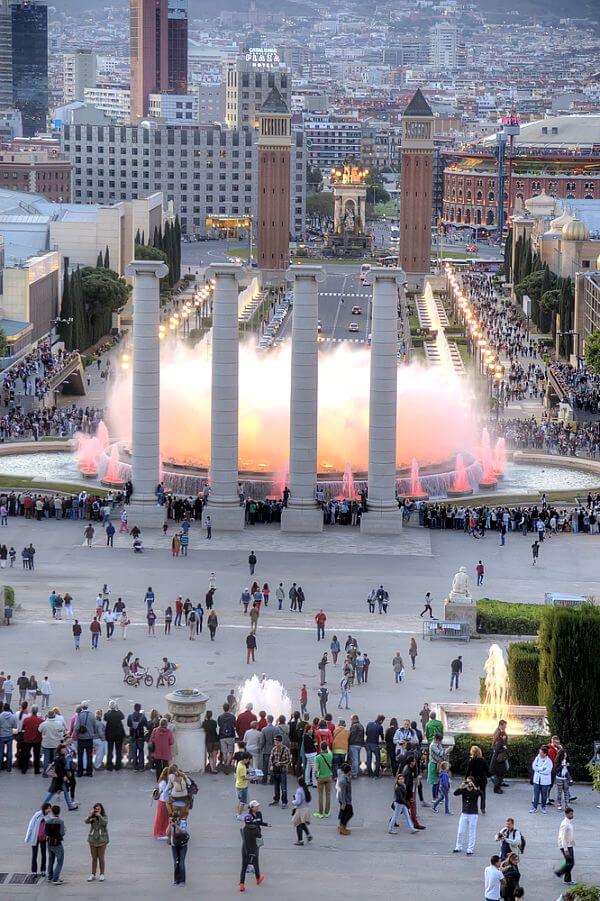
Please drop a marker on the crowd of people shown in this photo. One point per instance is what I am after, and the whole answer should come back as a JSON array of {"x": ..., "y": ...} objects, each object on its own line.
[
  {"x": 580, "y": 386},
  {"x": 16, "y": 424},
  {"x": 554, "y": 436},
  {"x": 31, "y": 375},
  {"x": 541, "y": 519}
]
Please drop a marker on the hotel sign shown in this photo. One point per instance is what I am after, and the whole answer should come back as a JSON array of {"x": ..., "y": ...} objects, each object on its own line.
[{"x": 263, "y": 57}]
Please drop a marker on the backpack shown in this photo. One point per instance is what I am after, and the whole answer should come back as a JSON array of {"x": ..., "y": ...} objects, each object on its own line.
[
  {"x": 523, "y": 844},
  {"x": 137, "y": 729}
]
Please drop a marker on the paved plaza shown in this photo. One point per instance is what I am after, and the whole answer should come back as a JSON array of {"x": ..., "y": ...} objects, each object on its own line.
[{"x": 336, "y": 571}]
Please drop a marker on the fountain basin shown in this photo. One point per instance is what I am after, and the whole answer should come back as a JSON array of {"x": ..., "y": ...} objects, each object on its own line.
[
  {"x": 88, "y": 472},
  {"x": 116, "y": 484},
  {"x": 522, "y": 720},
  {"x": 488, "y": 484},
  {"x": 459, "y": 492},
  {"x": 415, "y": 497}
]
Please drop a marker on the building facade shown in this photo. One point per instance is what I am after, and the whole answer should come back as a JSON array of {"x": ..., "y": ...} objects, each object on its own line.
[
  {"x": 274, "y": 167},
  {"x": 174, "y": 109},
  {"x": 6, "y": 85},
  {"x": 113, "y": 100},
  {"x": 211, "y": 102},
  {"x": 29, "y": 24},
  {"x": 203, "y": 170},
  {"x": 587, "y": 304},
  {"x": 37, "y": 172},
  {"x": 416, "y": 186},
  {"x": 178, "y": 46},
  {"x": 249, "y": 80},
  {"x": 149, "y": 52},
  {"x": 330, "y": 144},
  {"x": 79, "y": 73}
]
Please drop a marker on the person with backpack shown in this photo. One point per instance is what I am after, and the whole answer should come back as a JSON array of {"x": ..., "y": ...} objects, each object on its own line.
[
  {"x": 97, "y": 840},
  {"x": 86, "y": 731},
  {"x": 55, "y": 833},
  {"x": 511, "y": 840},
  {"x": 178, "y": 836},
  {"x": 137, "y": 725}
]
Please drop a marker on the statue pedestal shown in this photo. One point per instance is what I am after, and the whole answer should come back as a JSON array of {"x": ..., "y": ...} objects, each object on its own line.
[
  {"x": 457, "y": 611},
  {"x": 187, "y": 707}
]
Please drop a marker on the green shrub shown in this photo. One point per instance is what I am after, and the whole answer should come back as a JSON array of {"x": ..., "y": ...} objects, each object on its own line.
[
  {"x": 524, "y": 672},
  {"x": 9, "y": 596},
  {"x": 581, "y": 892},
  {"x": 569, "y": 683},
  {"x": 522, "y": 750},
  {"x": 504, "y": 618}
]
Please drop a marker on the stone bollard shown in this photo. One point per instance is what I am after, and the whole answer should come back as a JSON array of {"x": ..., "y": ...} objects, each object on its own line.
[{"x": 186, "y": 706}]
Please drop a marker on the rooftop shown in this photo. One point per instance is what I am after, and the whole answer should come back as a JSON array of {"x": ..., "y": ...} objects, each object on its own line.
[{"x": 417, "y": 105}]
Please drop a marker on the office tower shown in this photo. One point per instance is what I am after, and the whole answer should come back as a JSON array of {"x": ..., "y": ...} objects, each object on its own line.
[
  {"x": 416, "y": 186},
  {"x": 249, "y": 80},
  {"x": 29, "y": 23},
  {"x": 274, "y": 158},
  {"x": 6, "y": 85},
  {"x": 149, "y": 53},
  {"x": 178, "y": 46},
  {"x": 79, "y": 73},
  {"x": 444, "y": 46}
]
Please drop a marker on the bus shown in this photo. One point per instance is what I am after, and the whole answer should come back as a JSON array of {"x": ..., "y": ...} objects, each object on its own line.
[{"x": 394, "y": 234}]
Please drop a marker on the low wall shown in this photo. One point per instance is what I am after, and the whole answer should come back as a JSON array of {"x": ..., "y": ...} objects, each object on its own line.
[{"x": 36, "y": 447}]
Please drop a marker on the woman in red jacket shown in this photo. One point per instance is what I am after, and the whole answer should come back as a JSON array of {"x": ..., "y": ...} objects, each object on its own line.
[{"x": 161, "y": 743}]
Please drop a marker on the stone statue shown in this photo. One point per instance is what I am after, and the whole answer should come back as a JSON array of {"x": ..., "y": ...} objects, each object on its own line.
[
  {"x": 459, "y": 593},
  {"x": 349, "y": 220}
]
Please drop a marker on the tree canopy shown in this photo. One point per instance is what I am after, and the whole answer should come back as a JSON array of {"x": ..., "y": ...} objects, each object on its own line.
[{"x": 592, "y": 352}]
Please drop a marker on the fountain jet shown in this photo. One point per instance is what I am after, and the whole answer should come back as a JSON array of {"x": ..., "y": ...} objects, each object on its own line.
[
  {"x": 461, "y": 487},
  {"x": 112, "y": 477},
  {"x": 497, "y": 697},
  {"x": 488, "y": 479},
  {"x": 264, "y": 694},
  {"x": 500, "y": 458}
]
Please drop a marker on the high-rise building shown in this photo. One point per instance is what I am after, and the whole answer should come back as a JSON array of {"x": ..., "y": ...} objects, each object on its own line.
[
  {"x": 445, "y": 46},
  {"x": 178, "y": 46},
  {"x": 416, "y": 186},
  {"x": 274, "y": 160},
  {"x": 149, "y": 52},
  {"x": 6, "y": 85},
  {"x": 79, "y": 73},
  {"x": 29, "y": 24},
  {"x": 249, "y": 80}
]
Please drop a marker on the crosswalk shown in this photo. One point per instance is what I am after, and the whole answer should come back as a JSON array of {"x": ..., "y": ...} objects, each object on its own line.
[
  {"x": 339, "y": 294},
  {"x": 339, "y": 340}
]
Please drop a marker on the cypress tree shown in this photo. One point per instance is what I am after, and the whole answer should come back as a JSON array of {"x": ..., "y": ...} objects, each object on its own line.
[
  {"x": 99, "y": 261},
  {"x": 508, "y": 249},
  {"x": 106, "y": 258},
  {"x": 66, "y": 312},
  {"x": 138, "y": 237},
  {"x": 178, "y": 247}
]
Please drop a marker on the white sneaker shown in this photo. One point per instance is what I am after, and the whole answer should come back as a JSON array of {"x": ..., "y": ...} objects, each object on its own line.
[
  {"x": 101, "y": 877},
  {"x": 91, "y": 878}
]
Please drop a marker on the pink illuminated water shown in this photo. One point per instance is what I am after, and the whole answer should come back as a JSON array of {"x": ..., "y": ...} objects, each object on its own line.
[
  {"x": 87, "y": 452},
  {"x": 486, "y": 459},
  {"x": 461, "y": 481},
  {"x": 348, "y": 488},
  {"x": 102, "y": 435},
  {"x": 113, "y": 471},
  {"x": 500, "y": 456},
  {"x": 416, "y": 489},
  {"x": 434, "y": 411}
]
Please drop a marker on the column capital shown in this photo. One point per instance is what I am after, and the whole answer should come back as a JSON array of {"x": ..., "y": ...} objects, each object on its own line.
[
  {"x": 233, "y": 270},
  {"x": 297, "y": 270},
  {"x": 147, "y": 267},
  {"x": 385, "y": 273}
]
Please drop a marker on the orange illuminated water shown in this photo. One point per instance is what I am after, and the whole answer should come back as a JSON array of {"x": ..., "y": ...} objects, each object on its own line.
[{"x": 497, "y": 697}]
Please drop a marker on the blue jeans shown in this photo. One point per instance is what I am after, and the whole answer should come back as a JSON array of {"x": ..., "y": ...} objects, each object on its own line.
[
  {"x": 540, "y": 792},
  {"x": 48, "y": 754},
  {"x": 397, "y": 674},
  {"x": 56, "y": 858},
  {"x": 344, "y": 698},
  {"x": 442, "y": 796},
  {"x": 454, "y": 680},
  {"x": 50, "y": 795},
  {"x": 354, "y": 752},
  {"x": 373, "y": 750},
  {"x": 8, "y": 744},
  {"x": 400, "y": 809},
  {"x": 280, "y": 786}
]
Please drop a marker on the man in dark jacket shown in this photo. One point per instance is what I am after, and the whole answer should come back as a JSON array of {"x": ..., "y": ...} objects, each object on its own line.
[
  {"x": 373, "y": 737},
  {"x": 410, "y": 771},
  {"x": 137, "y": 725},
  {"x": 115, "y": 733},
  {"x": 356, "y": 740},
  {"x": 85, "y": 732}
]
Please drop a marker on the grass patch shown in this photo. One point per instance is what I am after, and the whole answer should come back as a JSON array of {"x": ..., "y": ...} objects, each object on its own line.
[
  {"x": 389, "y": 209},
  {"x": 31, "y": 484}
]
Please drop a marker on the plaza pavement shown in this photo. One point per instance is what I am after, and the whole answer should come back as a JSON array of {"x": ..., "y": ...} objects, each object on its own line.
[{"x": 337, "y": 577}]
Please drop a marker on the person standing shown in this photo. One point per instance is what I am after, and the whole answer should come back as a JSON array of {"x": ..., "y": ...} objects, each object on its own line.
[
  {"x": 250, "y": 647},
  {"x": 344, "y": 796},
  {"x": 542, "y": 779},
  {"x": 398, "y": 667},
  {"x": 427, "y": 608},
  {"x": 178, "y": 835},
  {"x": 535, "y": 552},
  {"x": 293, "y": 596},
  {"x": 280, "y": 762},
  {"x": 303, "y": 699},
  {"x": 566, "y": 844},
  {"x": 212, "y": 622},
  {"x": 46, "y": 692},
  {"x": 254, "y": 615},
  {"x": 138, "y": 726},
  {"x": 320, "y": 620},
  {"x": 252, "y": 562},
  {"x": 373, "y": 739},
  {"x": 344, "y": 692},
  {"x": 499, "y": 762},
  {"x": 85, "y": 731},
  {"x": 162, "y": 741},
  {"x": 493, "y": 879},
  {"x": 477, "y": 768},
  {"x": 335, "y": 649},
  {"x": 480, "y": 570},
  {"x": 77, "y": 634},
  {"x": 323, "y": 696},
  {"x": 324, "y": 764},
  {"x": 280, "y": 595},
  {"x": 114, "y": 734},
  {"x": 356, "y": 740},
  {"x": 251, "y": 835},
  {"x": 301, "y": 812},
  {"x": 412, "y": 651},
  {"x": 32, "y": 740},
  {"x": 322, "y": 667},
  {"x": 470, "y": 794},
  {"x": 456, "y": 668},
  {"x": 55, "y": 833},
  {"x": 97, "y": 840},
  {"x": 36, "y": 837}
]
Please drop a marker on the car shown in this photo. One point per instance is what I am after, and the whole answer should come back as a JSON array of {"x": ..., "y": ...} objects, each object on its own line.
[
  {"x": 319, "y": 326},
  {"x": 353, "y": 327},
  {"x": 472, "y": 248},
  {"x": 356, "y": 311}
]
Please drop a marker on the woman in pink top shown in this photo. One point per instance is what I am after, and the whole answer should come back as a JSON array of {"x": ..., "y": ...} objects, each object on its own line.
[{"x": 162, "y": 741}]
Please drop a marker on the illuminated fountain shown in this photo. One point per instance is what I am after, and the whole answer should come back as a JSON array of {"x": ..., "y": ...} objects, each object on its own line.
[
  {"x": 482, "y": 719},
  {"x": 112, "y": 478},
  {"x": 102, "y": 435},
  {"x": 88, "y": 449},
  {"x": 416, "y": 489},
  {"x": 500, "y": 458},
  {"x": 348, "y": 486},
  {"x": 461, "y": 487},
  {"x": 488, "y": 479},
  {"x": 264, "y": 694}
]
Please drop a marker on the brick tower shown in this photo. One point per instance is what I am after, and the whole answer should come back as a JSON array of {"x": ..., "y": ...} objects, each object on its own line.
[
  {"x": 416, "y": 187},
  {"x": 274, "y": 153}
]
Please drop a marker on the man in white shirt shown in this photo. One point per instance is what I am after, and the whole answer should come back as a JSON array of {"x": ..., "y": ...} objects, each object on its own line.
[
  {"x": 566, "y": 842},
  {"x": 493, "y": 879},
  {"x": 46, "y": 691}
]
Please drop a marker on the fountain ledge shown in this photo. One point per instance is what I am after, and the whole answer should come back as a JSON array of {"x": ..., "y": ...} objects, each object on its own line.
[{"x": 456, "y": 719}]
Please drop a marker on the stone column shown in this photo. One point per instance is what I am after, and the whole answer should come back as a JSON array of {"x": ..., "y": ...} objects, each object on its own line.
[
  {"x": 223, "y": 503},
  {"x": 383, "y": 515},
  {"x": 145, "y": 405},
  {"x": 303, "y": 513}
]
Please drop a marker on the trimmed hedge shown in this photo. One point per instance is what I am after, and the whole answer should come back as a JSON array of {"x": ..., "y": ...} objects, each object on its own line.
[
  {"x": 522, "y": 749},
  {"x": 504, "y": 618},
  {"x": 524, "y": 672}
]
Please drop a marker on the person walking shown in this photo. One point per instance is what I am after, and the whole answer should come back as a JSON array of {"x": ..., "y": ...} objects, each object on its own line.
[
  {"x": 535, "y": 552},
  {"x": 413, "y": 652},
  {"x": 469, "y": 793},
  {"x": 212, "y": 622},
  {"x": 280, "y": 595},
  {"x": 443, "y": 789},
  {"x": 35, "y": 836},
  {"x": 344, "y": 797},
  {"x": 323, "y": 696},
  {"x": 254, "y": 615},
  {"x": 427, "y": 608},
  {"x": 373, "y": 739},
  {"x": 178, "y": 836},
  {"x": 251, "y": 835},
  {"x": 455, "y": 671},
  {"x": 566, "y": 844},
  {"x": 335, "y": 649},
  {"x": 250, "y": 647},
  {"x": 208, "y": 527},
  {"x": 400, "y": 807},
  {"x": 76, "y": 629},
  {"x": 97, "y": 840},
  {"x": 344, "y": 692},
  {"x": 55, "y": 833},
  {"x": 252, "y": 562},
  {"x": 59, "y": 779},
  {"x": 301, "y": 812},
  {"x": 398, "y": 667},
  {"x": 320, "y": 620},
  {"x": 480, "y": 570},
  {"x": 322, "y": 667},
  {"x": 96, "y": 630}
]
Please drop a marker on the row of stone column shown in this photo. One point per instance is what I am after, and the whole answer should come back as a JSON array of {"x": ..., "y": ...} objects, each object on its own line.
[{"x": 302, "y": 513}]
